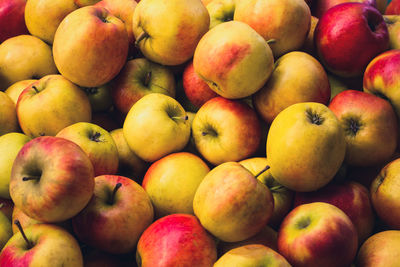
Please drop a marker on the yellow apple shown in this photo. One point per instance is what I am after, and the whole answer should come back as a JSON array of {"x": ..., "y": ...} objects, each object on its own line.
[
  {"x": 24, "y": 57},
  {"x": 393, "y": 26},
  {"x": 220, "y": 11},
  {"x": 8, "y": 115},
  {"x": 16, "y": 89}
]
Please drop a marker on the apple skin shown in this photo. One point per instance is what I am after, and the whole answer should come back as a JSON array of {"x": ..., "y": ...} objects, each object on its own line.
[
  {"x": 393, "y": 25},
  {"x": 138, "y": 78},
  {"x": 24, "y": 57},
  {"x": 7, "y": 207},
  {"x": 196, "y": 89},
  {"x": 63, "y": 183},
  {"x": 370, "y": 126},
  {"x": 51, "y": 104},
  {"x": 172, "y": 181},
  {"x": 16, "y": 89},
  {"x": 384, "y": 194},
  {"x": 181, "y": 240},
  {"x": 90, "y": 46},
  {"x": 380, "y": 250},
  {"x": 83, "y": 3},
  {"x": 10, "y": 145},
  {"x": 233, "y": 59},
  {"x": 345, "y": 43},
  {"x": 156, "y": 126},
  {"x": 8, "y": 118},
  {"x": 305, "y": 146},
  {"x": 317, "y": 234},
  {"x": 274, "y": 19},
  {"x": 5, "y": 230},
  {"x": 393, "y": 8},
  {"x": 42, "y": 17},
  {"x": 231, "y": 203},
  {"x": 349, "y": 196},
  {"x": 226, "y": 130},
  {"x": 321, "y": 6},
  {"x": 297, "y": 77},
  {"x": 12, "y": 20},
  {"x": 114, "y": 225},
  {"x": 167, "y": 32},
  {"x": 52, "y": 246},
  {"x": 97, "y": 143},
  {"x": 99, "y": 98},
  {"x": 283, "y": 197},
  {"x": 220, "y": 11},
  {"x": 308, "y": 45}
]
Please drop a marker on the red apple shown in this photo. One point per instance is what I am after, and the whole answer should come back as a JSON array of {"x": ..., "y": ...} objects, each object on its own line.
[
  {"x": 321, "y": 6},
  {"x": 393, "y": 8},
  {"x": 349, "y": 36},
  {"x": 12, "y": 20},
  {"x": 176, "y": 240}
]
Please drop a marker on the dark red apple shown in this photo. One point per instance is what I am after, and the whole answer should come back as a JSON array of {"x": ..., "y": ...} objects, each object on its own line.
[{"x": 12, "y": 19}]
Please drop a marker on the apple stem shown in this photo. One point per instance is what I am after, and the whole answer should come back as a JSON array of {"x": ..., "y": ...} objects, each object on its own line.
[
  {"x": 147, "y": 79},
  {"x": 30, "y": 245},
  {"x": 35, "y": 88},
  {"x": 262, "y": 171},
  {"x": 271, "y": 41},
  {"x": 117, "y": 186},
  {"x": 142, "y": 36},
  {"x": 26, "y": 178}
]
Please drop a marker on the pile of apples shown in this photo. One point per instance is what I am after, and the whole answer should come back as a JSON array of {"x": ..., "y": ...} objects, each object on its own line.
[{"x": 199, "y": 133}]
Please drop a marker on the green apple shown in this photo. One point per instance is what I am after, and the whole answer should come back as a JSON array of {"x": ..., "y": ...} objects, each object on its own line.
[
  {"x": 167, "y": 32},
  {"x": 8, "y": 115},
  {"x": 305, "y": 146},
  {"x": 231, "y": 203},
  {"x": 97, "y": 143},
  {"x": 99, "y": 97},
  {"x": 220, "y": 11},
  {"x": 155, "y": 126},
  {"x": 16, "y": 89},
  {"x": 24, "y": 57},
  {"x": 51, "y": 104},
  {"x": 10, "y": 145},
  {"x": 5, "y": 230},
  {"x": 172, "y": 181},
  {"x": 233, "y": 59}
]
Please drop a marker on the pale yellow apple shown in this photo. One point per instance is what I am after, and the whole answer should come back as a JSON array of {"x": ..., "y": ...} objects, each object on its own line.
[
  {"x": 42, "y": 17},
  {"x": 16, "y": 89},
  {"x": 305, "y": 146},
  {"x": 233, "y": 59},
  {"x": 90, "y": 46},
  {"x": 129, "y": 164},
  {"x": 297, "y": 77},
  {"x": 167, "y": 32},
  {"x": 220, "y": 11},
  {"x": 10, "y": 145},
  {"x": 8, "y": 115},
  {"x": 24, "y": 57},
  {"x": 393, "y": 26},
  {"x": 5, "y": 230},
  {"x": 285, "y": 21},
  {"x": 172, "y": 181},
  {"x": 155, "y": 126}
]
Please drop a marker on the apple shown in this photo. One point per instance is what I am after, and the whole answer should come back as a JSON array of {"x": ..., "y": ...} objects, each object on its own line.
[
  {"x": 8, "y": 118},
  {"x": 393, "y": 25},
  {"x": 155, "y": 126},
  {"x": 226, "y": 130},
  {"x": 51, "y": 179},
  {"x": 97, "y": 143},
  {"x": 283, "y": 197},
  {"x": 12, "y": 21},
  {"x": 118, "y": 213},
  {"x": 233, "y": 59},
  {"x": 369, "y": 124},
  {"x": 317, "y": 234},
  {"x": 138, "y": 78},
  {"x": 51, "y": 104},
  {"x": 308, "y": 45},
  {"x": 349, "y": 196},
  {"x": 90, "y": 46},
  {"x": 41, "y": 245},
  {"x": 82, "y": 3},
  {"x": 275, "y": 19},
  {"x": 16, "y": 89},
  {"x": 305, "y": 146},
  {"x": 99, "y": 98},
  {"x": 380, "y": 250},
  {"x": 42, "y": 17},
  {"x": 172, "y": 181},
  {"x": 23, "y": 219},
  {"x": 24, "y": 57},
  {"x": 231, "y": 203},
  {"x": 297, "y": 77},
  {"x": 393, "y": 8},
  {"x": 337, "y": 85},
  {"x": 7, "y": 207},
  {"x": 321, "y": 6},
  {"x": 348, "y": 36},
  {"x": 180, "y": 239},
  {"x": 220, "y": 11},
  {"x": 196, "y": 89},
  {"x": 384, "y": 194},
  {"x": 251, "y": 255},
  {"x": 10, "y": 145},
  {"x": 122, "y": 9},
  {"x": 129, "y": 164},
  {"x": 167, "y": 32},
  {"x": 5, "y": 230}
]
